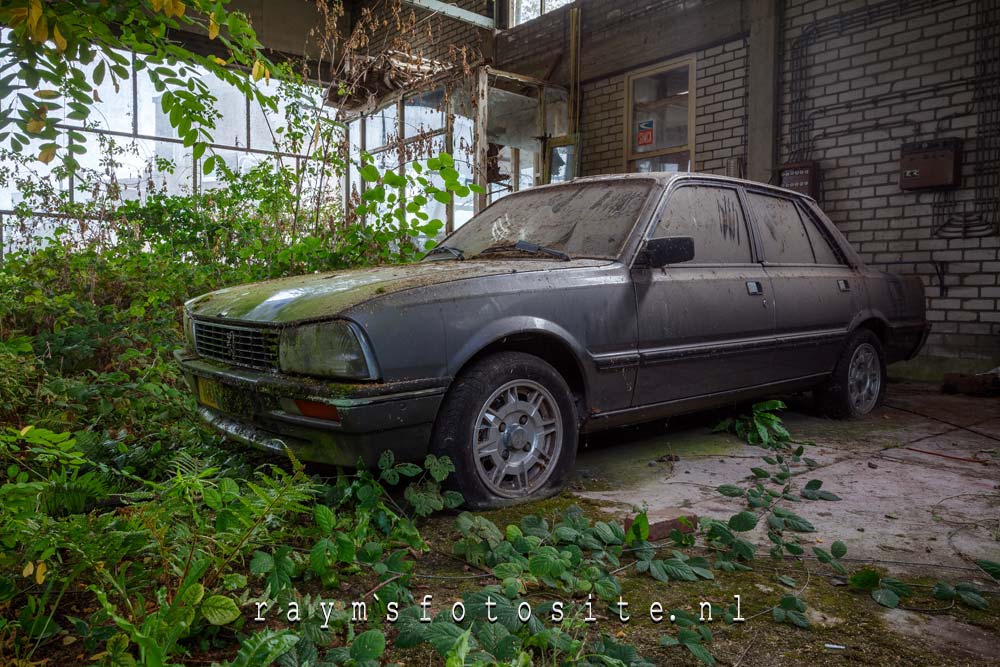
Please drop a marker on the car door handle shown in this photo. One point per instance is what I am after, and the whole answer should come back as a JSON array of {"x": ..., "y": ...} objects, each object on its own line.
[
  {"x": 843, "y": 285},
  {"x": 754, "y": 288}
]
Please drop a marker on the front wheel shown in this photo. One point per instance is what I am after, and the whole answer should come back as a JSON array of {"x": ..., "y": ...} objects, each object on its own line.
[
  {"x": 509, "y": 425},
  {"x": 857, "y": 385}
]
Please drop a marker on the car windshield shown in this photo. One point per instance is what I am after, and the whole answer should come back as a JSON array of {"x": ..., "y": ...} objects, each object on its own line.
[{"x": 577, "y": 219}]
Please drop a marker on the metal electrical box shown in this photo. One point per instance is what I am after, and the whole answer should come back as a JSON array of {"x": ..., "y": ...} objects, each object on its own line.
[
  {"x": 930, "y": 164},
  {"x": 802, "y": 177}
]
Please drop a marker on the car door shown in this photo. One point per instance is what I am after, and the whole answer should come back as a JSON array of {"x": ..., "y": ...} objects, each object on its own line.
[
  {"x": 815, "y": 291},
  {"x": 704, "y": 326}
]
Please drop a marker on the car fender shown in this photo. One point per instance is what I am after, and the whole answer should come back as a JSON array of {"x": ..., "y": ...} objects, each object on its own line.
[{"x": 497, "y": 330}]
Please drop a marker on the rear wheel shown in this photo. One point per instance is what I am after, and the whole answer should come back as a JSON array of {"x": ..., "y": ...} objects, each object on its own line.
[
  {"x": 857, "y": 385},
  {"x": 509, "y": 425}
]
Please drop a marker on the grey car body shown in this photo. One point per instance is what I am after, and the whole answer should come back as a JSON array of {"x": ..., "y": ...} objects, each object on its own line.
[{"x": 633, "y": 340}]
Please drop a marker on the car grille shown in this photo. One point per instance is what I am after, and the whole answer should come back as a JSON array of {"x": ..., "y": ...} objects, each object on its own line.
[{"x": 244, "y": 346}]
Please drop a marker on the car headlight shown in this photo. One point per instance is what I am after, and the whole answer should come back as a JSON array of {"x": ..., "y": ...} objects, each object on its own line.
[{"x": 328, "y": 349}]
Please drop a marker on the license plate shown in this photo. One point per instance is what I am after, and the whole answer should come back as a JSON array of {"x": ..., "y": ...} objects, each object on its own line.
[{"x": 209, "y": 393}]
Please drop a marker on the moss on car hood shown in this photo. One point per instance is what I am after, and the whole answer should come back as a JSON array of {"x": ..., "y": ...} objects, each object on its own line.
[{"x": 320, "y": 295}]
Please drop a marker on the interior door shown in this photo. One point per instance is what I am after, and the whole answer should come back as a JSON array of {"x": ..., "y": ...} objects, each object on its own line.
[
  {"x": 704, "y": 326},
  {"x": 815, "y": 291}
]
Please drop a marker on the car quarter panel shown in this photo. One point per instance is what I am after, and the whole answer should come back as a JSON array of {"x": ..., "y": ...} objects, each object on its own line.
[{"x": 587, "y": 305}]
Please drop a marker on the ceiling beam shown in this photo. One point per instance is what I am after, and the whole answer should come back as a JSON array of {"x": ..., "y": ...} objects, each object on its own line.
[{"x": 454, "y": 12}]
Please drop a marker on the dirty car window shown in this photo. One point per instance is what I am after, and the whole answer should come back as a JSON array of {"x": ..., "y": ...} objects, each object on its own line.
[{"x": 581, "y": 220}]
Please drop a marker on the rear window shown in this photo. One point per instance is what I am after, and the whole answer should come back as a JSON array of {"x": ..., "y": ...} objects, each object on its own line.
[{"x": 783, "y": 235}]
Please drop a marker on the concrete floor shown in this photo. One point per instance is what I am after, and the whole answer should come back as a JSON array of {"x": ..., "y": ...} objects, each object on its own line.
[
  {"x": 913, "y": 513},
  {"x": 898, "y": 504}
]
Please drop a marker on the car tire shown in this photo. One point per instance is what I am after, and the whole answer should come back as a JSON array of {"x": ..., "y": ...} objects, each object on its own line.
[
  {"x": 499, "y": 464},
  {"x": 857, "y": 385}
]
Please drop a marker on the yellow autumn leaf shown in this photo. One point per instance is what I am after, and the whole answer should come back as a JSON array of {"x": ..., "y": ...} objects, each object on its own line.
[
  {"x": 255, "y": 72},
  {"x": 40, "y": 574},
  {"x": 29, "y": 569},
  {"x": 34, "y": 13},
  {"x": 217, "y": 60},
  {"x": 267, "y": 75},
  {"x": 179, "y": 7},
  {"x": 157, "y": 5},
  {"x": 35, "y": 125},
  {"x": 213, "y": 27},
  {"x": 58, "y": 38},
  {"x": 24, "y": 432},
  {"x": 46, "y": 155},
  {"x": 40, "y": 33}
]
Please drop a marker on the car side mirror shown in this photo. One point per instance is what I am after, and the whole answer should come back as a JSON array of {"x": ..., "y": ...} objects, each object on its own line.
[{"x": 665, "y": 250}]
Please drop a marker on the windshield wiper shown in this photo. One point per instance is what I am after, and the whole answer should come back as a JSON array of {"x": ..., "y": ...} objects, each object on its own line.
[
  {"x": 454, "y": 252},
  {"x": 528, "y": 247}
]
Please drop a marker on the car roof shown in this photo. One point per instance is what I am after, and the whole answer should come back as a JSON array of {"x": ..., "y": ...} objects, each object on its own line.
[{"x": 664, "y": 178}]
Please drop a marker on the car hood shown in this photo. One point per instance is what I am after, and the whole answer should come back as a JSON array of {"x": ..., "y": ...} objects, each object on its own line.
[{"x": 321, "y": 295}]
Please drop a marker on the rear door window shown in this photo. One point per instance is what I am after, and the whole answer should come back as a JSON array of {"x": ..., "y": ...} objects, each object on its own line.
[
  {"x": 822, "y": 246},
  {"x": 714, "y": 218},
  {"x": 783, "y": 234}
]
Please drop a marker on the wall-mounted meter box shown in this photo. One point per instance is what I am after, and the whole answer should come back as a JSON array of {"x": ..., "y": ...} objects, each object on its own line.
[
  {"x": 930, "y": 164},
  {"x": 802, "y": 177}
]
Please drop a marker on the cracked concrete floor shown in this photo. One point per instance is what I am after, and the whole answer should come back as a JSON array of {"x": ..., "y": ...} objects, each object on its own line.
[{"x": 918, "y": 480}]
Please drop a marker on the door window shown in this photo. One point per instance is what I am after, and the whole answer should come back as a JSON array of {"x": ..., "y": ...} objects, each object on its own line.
[
  {"x": 783, "y": 235},
  {"x": 714, "y": 218},
  {"x": 822, "y": 246}
]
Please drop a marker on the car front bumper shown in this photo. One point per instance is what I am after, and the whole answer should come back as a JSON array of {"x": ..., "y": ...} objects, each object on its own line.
[{"x": 257, "y": 408}]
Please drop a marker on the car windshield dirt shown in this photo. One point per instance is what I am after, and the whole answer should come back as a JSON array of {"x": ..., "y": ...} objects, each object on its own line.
[{"x": 579, "y": 220}]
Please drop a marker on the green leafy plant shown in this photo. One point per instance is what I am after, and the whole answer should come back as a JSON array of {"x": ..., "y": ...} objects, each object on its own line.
[{"x": 761, "y": 427}]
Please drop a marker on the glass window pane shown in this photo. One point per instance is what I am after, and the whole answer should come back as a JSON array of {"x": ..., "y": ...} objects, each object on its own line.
[
  {"x": 423, "y": 113},
  {"x": 561, "y": 167},
  {"x": 660, "y": 110},
  {"x": 527, "y": 168},
  {"x": 231, "y": 125},
  {"x": 498, "y": 172},
  {"x": 552, "y": 5},
  {"x": 112, "y": 108},
  {"x": 525, "y": 10},
  {"x": 672, "y": 162},
  {"x": 381, "y": 127},
  {"x": 822, "y": 247},
  {"x": 714, "y": 218},
  {"x": 782, "y": 232}
]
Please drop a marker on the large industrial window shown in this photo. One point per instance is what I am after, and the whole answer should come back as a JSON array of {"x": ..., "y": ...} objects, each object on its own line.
[
  {"x": 659, "y": 117},
  {"x": 129, "y": 122},
  {"x": 522, "y": 11}
]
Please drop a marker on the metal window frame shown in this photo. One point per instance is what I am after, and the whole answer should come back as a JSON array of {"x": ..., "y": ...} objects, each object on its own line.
[{"x": 628, "y": 155}]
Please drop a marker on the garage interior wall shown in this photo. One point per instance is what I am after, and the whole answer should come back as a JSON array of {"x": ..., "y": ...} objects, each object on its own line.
[{"x": 860, "y": 79}]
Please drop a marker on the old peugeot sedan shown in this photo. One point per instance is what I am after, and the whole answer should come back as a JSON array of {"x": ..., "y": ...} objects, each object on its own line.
[{"x": 558, "y": 310}]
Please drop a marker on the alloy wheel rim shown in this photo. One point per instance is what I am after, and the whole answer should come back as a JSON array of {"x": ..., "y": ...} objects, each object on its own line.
[
  {"x": 864, "y": 378},
  {"x": 517, "y": 439}
]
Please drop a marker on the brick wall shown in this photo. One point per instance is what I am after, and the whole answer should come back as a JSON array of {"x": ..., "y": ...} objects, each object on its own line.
[
  {"x": 860, "y": 79},
  {"x": 720, "y": 118},
  {"x": 720, "y": 122},
  {"x": 424, "y": 33}
]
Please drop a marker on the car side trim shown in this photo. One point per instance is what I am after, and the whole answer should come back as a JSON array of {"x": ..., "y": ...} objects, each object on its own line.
[
  {"x": 613, "y": 418},
  {"x": 652, "y": 356}
]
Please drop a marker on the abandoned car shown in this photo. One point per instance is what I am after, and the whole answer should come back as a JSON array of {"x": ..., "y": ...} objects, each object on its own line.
[{"x": 557, "y": 310}]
